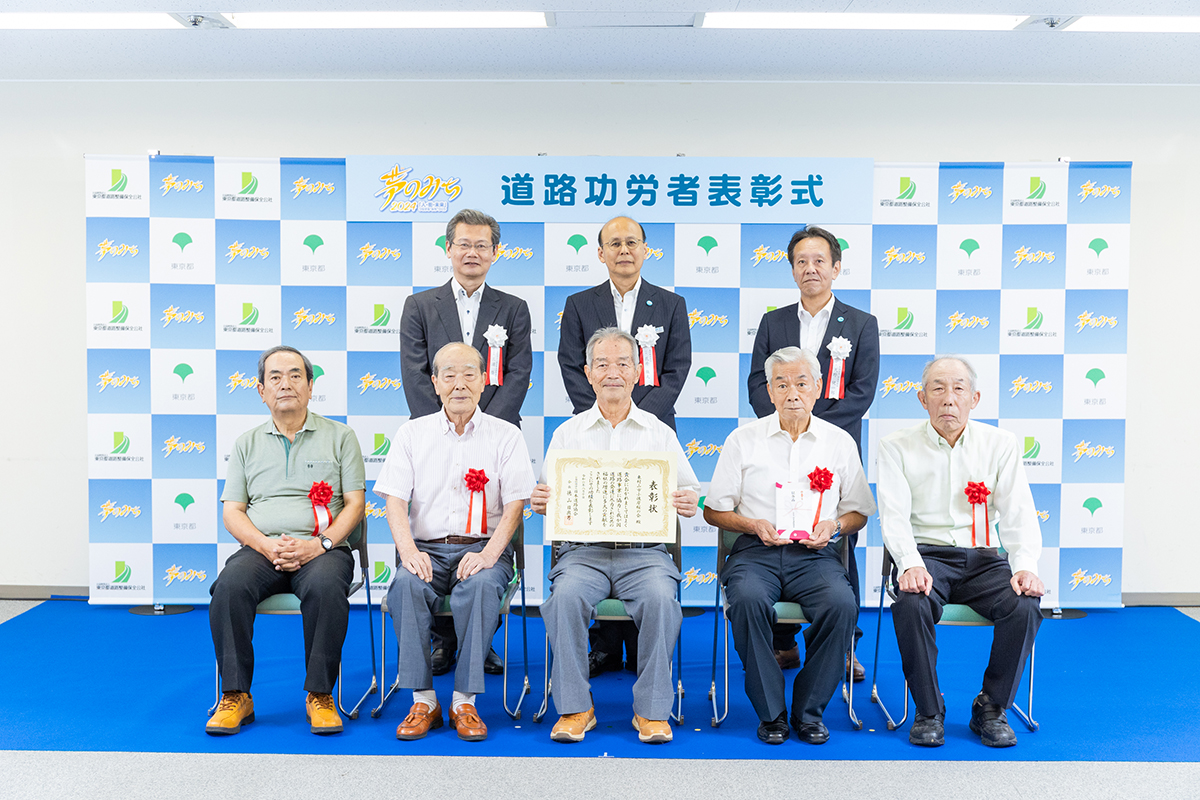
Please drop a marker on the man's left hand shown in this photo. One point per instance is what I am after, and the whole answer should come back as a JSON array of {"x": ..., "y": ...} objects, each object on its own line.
[
  {"x": 685, "y": 502},
  {"x": 820, "y": 535},
  {"x": 471, "y": 563},
  {"x": 295, "y": 553},
  {"x": 1026, "y": 583}
]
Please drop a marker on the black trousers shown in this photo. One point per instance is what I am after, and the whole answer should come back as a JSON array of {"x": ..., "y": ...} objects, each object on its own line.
[
  {"x": 249, "y": 578},
  {"x": 756, "y": 577},
  {"x": 977, "y": 577},
  {"x": 785, "y": 634}
]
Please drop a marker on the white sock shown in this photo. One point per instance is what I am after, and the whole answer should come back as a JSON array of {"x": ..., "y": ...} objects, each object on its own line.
[
  {"x": 462, "y": 697},
  {"x": 426, "y": 696}
]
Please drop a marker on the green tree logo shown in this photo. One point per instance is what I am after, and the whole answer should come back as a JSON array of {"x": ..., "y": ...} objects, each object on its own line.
[
  {"x": 441, "y": 243},
  {"x": 706, "y": 374},
  {"x": 843, "y": 244},
  {"x": 119, "y": 181},
  {"x": 249, "y": 183},
  {"x": 1037, "y": 189},
  {"x": 904, "y": 319},
  {"x": 968, "y": 246},
  {"x": 1093, "y": 504},
  {"x": 382, "y": 316},
  {"x": 122, "y": 572},
  {"x": 183, "y": 500},
  {"x": 1095, "y": 375},
  {"x": 707, "y": 243},
  {"x": 182, "y": 239},
  {"x": 1033, "y": 318},
  {"x": 312, "y": 242},
  {"x": 120, "y": 443},
  {"x": 577, "y": 240},
  {"x": 120, "y": 312},
  {"x": 1032, "y": 447},
  {"x": 1097, "y": 246},
  {"x": 908, "y": 189},
  {"x": 183, "y": 370},
  {"x": 382, "y": 445},
  {"x": 249, "y": 314}
]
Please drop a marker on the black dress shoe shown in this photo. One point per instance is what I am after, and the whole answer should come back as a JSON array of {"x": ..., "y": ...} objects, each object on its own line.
[
  {"x": 600, "y": 662},
  {"x": 442, "y": 660},
  {"x": 775, "y": 731},
  {"x": 493, "y": 664},
  {"x": 812, "y": 732},
  {"x": 990, "y": 721},
  {"x": 928, "y": 731}
]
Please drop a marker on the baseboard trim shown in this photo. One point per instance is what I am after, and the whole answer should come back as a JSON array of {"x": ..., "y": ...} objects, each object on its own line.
[
  {"x": 43, "y": 592},
  {"x": 1161, "y": 598}
]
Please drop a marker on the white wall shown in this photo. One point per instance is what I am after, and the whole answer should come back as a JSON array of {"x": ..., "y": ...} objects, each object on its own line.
[{"x": 45, "y": 128}]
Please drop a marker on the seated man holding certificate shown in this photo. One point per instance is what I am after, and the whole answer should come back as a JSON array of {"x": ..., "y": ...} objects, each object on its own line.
[
  {"x": 455, "y": 483},
  {"x": 945, "y": 487},
  {"x": 640, "y": 574},
  {"x": 791, "y": 484}
]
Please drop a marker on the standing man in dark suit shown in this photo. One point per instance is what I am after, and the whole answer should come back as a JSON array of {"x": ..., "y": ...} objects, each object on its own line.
[
  {"x": 657, "y": 319},
  {"x": 814, "y": 324},
  {"x": 466, "y": 309}
]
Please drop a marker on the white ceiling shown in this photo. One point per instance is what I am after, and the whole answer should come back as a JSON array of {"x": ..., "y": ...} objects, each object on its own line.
[{"x": 611, "y": 40}]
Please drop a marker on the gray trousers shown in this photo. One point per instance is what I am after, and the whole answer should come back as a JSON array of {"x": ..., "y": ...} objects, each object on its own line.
[
  {"x": 474, "y": 602},
  {"x": 646, "y": 580}
]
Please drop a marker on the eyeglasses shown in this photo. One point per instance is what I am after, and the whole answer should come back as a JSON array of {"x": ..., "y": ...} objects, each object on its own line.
[
  {"x": 478, "y": 247},
  {"x": 616, "y": 244}
]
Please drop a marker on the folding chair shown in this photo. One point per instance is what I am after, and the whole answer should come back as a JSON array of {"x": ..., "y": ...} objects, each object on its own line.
[
  {"x": 785, "y": 612},
  {"x": 952, "y": 614},
  {"x": 288, "y": 603},
  {"x": 518, "y": 581},
  {"x": 613, "y": 610}
]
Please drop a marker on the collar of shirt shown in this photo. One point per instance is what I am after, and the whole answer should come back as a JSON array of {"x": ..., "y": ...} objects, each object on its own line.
[
  {"x": 448, "y": 427},
  {"x": 461, "y": 294},
  {"x": 822, "y": 313},
  {"x": 624, "y": 305},
  {"x": 936, "y": 439},
  {"x": 593, "y": 417},
  {"x": 774, "y": 427},
  {"x": 309, "y": 424}
]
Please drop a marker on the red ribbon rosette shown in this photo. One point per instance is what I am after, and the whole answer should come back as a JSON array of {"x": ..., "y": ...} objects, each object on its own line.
[
  {"x": 819, "y": 479},
  {"x": 476, "y": 480},
  {"x": 321, "y": 494},
  {"x": 977, "y": 492}
]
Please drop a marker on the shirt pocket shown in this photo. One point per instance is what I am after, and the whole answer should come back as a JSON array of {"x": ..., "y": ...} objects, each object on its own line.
[{"x": 328, "y": 471}]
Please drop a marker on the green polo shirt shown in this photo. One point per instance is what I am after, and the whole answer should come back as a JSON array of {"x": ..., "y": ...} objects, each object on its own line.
[{"x": 273, "y": 475}]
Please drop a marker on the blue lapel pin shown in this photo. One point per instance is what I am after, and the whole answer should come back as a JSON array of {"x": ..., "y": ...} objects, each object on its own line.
[
  {"x": 841, "y": 319},
  {"x": 649, "y": 302}
]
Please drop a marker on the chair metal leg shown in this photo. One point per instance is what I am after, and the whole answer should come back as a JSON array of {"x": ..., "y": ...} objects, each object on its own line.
[
  {"x": 540, "y": 714},
  {"x": 848, "y": 689},
  {"x": 717, "y": 719},
  {"x": 374, "y": 687},
  {"x": 515, "y": 712},
  {"x": 1027, "y": 718},
  {"x": 375, "y": 712},
  {"x": 217, "y": 701},
  {"x": 712, "y": 686},
  {"x": 677, "y": 715},
  {"x": 875, "y": 698}
]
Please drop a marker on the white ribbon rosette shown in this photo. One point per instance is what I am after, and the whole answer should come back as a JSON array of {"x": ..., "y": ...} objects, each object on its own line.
[
  {"x": 646, "y": 338},
  {"x": 496, "y": 337},
  {"x": 839, "y": 351}
]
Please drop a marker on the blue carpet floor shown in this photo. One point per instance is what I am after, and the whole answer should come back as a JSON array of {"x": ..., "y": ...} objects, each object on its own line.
[{"x": 1119, "y": 685}]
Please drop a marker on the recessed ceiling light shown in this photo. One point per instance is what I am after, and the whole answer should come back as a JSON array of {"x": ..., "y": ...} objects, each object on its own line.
[
  {"x": 1092, "y": 24},
  {"x": 819, "y": 20},
  {"x": 387, "y": 19},
  {"x": 86, "y": 20}
]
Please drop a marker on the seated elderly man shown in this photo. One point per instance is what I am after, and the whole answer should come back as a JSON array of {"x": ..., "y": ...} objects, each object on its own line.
[
  {"x": 945, "y": 488},
  {"x": 790, "y": 483},
  {"x": 642, "y": 575},
  {"x": 455, "y": 483},
  {"x": 279, "y": 472}
]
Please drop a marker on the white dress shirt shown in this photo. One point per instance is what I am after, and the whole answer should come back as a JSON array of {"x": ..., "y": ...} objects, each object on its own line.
[
  {"x": 757, "y": 456},
  {"x": 428, "y": 464},
  {"x": 922, "y": 494},
  {"x": 468, "y": 309},
  {"x": 638, "y": 431},
  {"x": 625, "y": 305},
  {"x": 812, "y": 327}
]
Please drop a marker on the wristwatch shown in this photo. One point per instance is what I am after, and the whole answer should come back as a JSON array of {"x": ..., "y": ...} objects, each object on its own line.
[
  {"x": 838, "y": 530},
  {"x": 326, "y": 543}
]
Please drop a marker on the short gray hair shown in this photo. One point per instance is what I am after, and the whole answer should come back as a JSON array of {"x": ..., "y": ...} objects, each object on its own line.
[
  {"x": 604, "y": 335},
  {"x": 971, "y": 376},
  {"x": 469, "y": 216},
  {"x": 437, "y": 357},
  {"x": 281, "y": 348},
  {"x": 791, "y": 355}
]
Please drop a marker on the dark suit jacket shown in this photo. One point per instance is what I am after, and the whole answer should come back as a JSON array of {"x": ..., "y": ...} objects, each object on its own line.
[
  {"x": 430, "y": 321},
  {"x": 781, "y": 328},
  {"x": 592, "y": 309}
]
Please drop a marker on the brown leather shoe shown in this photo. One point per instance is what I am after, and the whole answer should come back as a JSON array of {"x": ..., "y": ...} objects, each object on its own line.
[
  {"x": 420, "y": 720},
  {"x": 652, "y": 731},
  {"x": 234, "y": 710},
  {"x": 572, "y": 727},
  {"x": 465, "y": 719},
  {"x": 322, "y": 715},
  {"x": 788, "y": 659},
  {"x": 858, "y": 673}
]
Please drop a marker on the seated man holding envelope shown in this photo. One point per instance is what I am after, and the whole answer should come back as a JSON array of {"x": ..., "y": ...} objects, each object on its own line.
[
  {"x": 640, "y": 574},
  {"x": 790, "y": 483}
]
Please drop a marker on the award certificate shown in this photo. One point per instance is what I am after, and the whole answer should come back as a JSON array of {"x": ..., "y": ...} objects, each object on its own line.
[{"x": 610, "y": 496}]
